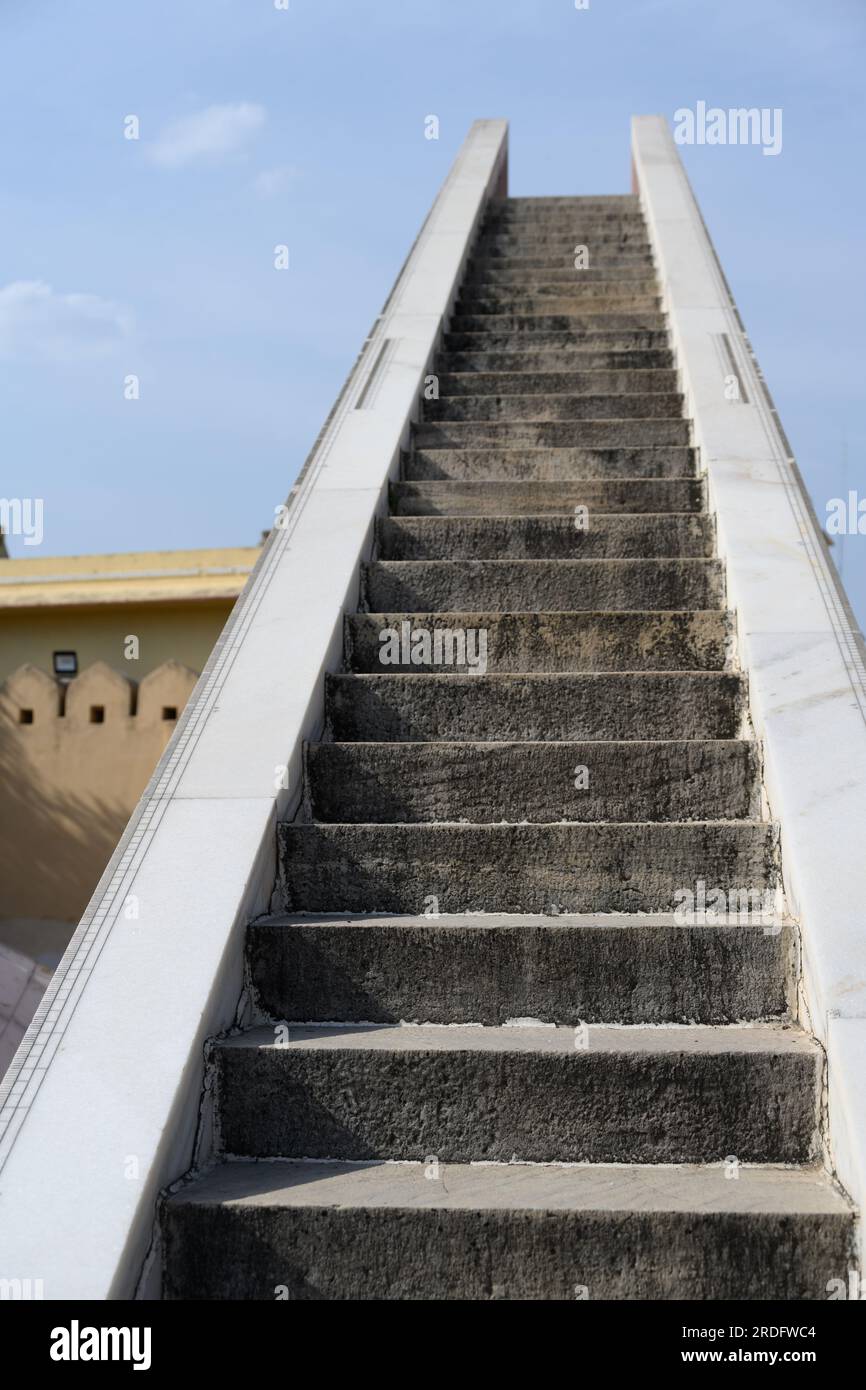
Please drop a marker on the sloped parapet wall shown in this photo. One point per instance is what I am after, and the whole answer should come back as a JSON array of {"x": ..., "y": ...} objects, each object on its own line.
[
  {"x": 101, "y": 1106},
  {"x": 796, "y": 634},
  {"x": 74, "y": 760}
]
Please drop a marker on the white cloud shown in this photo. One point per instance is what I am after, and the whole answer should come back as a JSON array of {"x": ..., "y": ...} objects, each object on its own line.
[
  {"x": 207, "y": 135},
  {"x": 39, "y": 325},
  {"x": 271, "y": 181}
]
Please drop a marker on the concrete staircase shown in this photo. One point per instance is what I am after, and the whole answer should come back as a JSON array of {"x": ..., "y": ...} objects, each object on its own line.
[{"x": 509, "y": 1071}]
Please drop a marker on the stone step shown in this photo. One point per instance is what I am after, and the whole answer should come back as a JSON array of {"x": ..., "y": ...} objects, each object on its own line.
[
  {"x": 580, "y": 231},
  {"x": 627, "y": 202},
  {"x": 525, "y": 1094},
  {"x": 500, "y": 261},
  {"x": 535, "y": 406},
  {"x": 531, "y": 586},
  {"x": 547, "y": 642},
  {"x": 564, "y": 218},
  {"x": 557, "y": 278},
  {"x": 622, "y": 536},
  {"x": 489, "y": 326},
  {"x": 549, "y": 465},
  {"x": 519, "y": 384},
  {"x": 537, "y": 238},
  {"x": 623, "y": 867},
  {"x": 551, "y": 434},
  {"x": 557, "y": 359},
  {"x": 519, "y": 311},
  {"x": 560, "y": 271},
  {"x": 478, "y": 1232},
  {"x": 537, "y": 782},
  {"x": 563, "y": 343},
  {"x": 586, "y": 705},
  {"x": 527, "y": 500},
  {"x": 569, "y": 969},
  {"x": 555, "y": 299}
]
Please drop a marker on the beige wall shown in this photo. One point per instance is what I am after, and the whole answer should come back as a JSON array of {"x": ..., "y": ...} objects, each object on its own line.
[
  {"x": 182, "y": 631},
  {"x": 69, "y": 784}
]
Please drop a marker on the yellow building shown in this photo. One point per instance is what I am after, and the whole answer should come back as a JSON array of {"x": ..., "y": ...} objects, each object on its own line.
[
  {"x": 98, "y": 655},
  {"x": 174, "y": 602}
]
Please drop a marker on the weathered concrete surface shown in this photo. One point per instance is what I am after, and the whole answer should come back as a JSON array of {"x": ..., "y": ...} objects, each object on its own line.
[
  {"x": 558, "y": 642},
  {"x": 658, "y": 1095},
  {"x": 530, "y": 499},
  {"x": 691, "y": 704},
  {"x": 551, "y": 434},
  {"x": 483, "y": 782},
  {"x": 602, "y": 229},
  {"x": 514, "y": 382},
  {"x": 549, "y": 465},
  {"x": 563, "y": 283},
  {"x": 606, "y": 203},
  {"x": 534, "y": 406},
  {"x": 541, "y": 585},
  {"x": 491, "y": 968},
  {"x": 552, "y": 322},
  {"x": 558, "y": 302},
  {"x": 612, "y": 536},
  {"x": 552, "y": 360},
  {"x": 379, "y": 1231},
  {"x": 594, "y": 232},
  {"x": 606, "y": 248},
  {"x": 573, "y": 337},
  {"x": 560, "y": 270},
  {"x": 556, "y": 390},
  {"x": 519, "y": 868}
]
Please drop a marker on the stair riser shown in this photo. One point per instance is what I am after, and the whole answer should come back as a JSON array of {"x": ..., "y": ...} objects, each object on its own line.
[
  {"x": 552, "y": 434},
  {"x": 624, "y": 537},
  {"x": 539, "y": 642},
  {"x": 582, "y": 782},
  {"x": 493, "y": 276},
  {"x": 559, "y": 383},
  {"x": 431, "y": 972},
  {"x": 545, "y": 708},
  {"x": 587, "y": 1107},
  {"x": 566, "y": 218},
  {"x": 558, "y": 277},
  {"x": 526, "y": 500},
  {"x": 565, "y": 359},
  {"x": 337, "y": 1253},
  {"x": 599, "y": 239},
  {"x": 563, "y": 341},
  {"x": 559, "y": 302},
  {"x": 519, "y": 868},
  {"x": 556, "y": 299},
  {"x": 607, "y": 202},
  {"x": 656, "y": 405},
  {"x": 549, "y": 465},
  {"x": 546, "y": 319},
  {"x": 504, "y": 277},
  {"x": 540, "y": 585},
  {"x": 580, "y": 225}
]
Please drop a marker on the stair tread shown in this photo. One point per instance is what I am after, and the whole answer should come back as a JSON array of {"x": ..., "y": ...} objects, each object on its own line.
[
  {"x": 682, "y": 1039},
  {"x": 576, "y": 921},
  {"x": 597, "y": 1187}
]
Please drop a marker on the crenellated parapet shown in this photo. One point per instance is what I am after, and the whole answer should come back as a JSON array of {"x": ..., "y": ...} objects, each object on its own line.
[{"x": 74, "y": 758}]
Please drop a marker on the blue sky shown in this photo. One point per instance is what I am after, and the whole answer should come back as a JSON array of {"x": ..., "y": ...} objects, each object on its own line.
[{"x": 260, "y": 126}]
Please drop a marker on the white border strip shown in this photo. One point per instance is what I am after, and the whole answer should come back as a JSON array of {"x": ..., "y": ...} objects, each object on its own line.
[
  {"x": 797, "y": 636},
  {"x": 99, "y": 1109}
]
